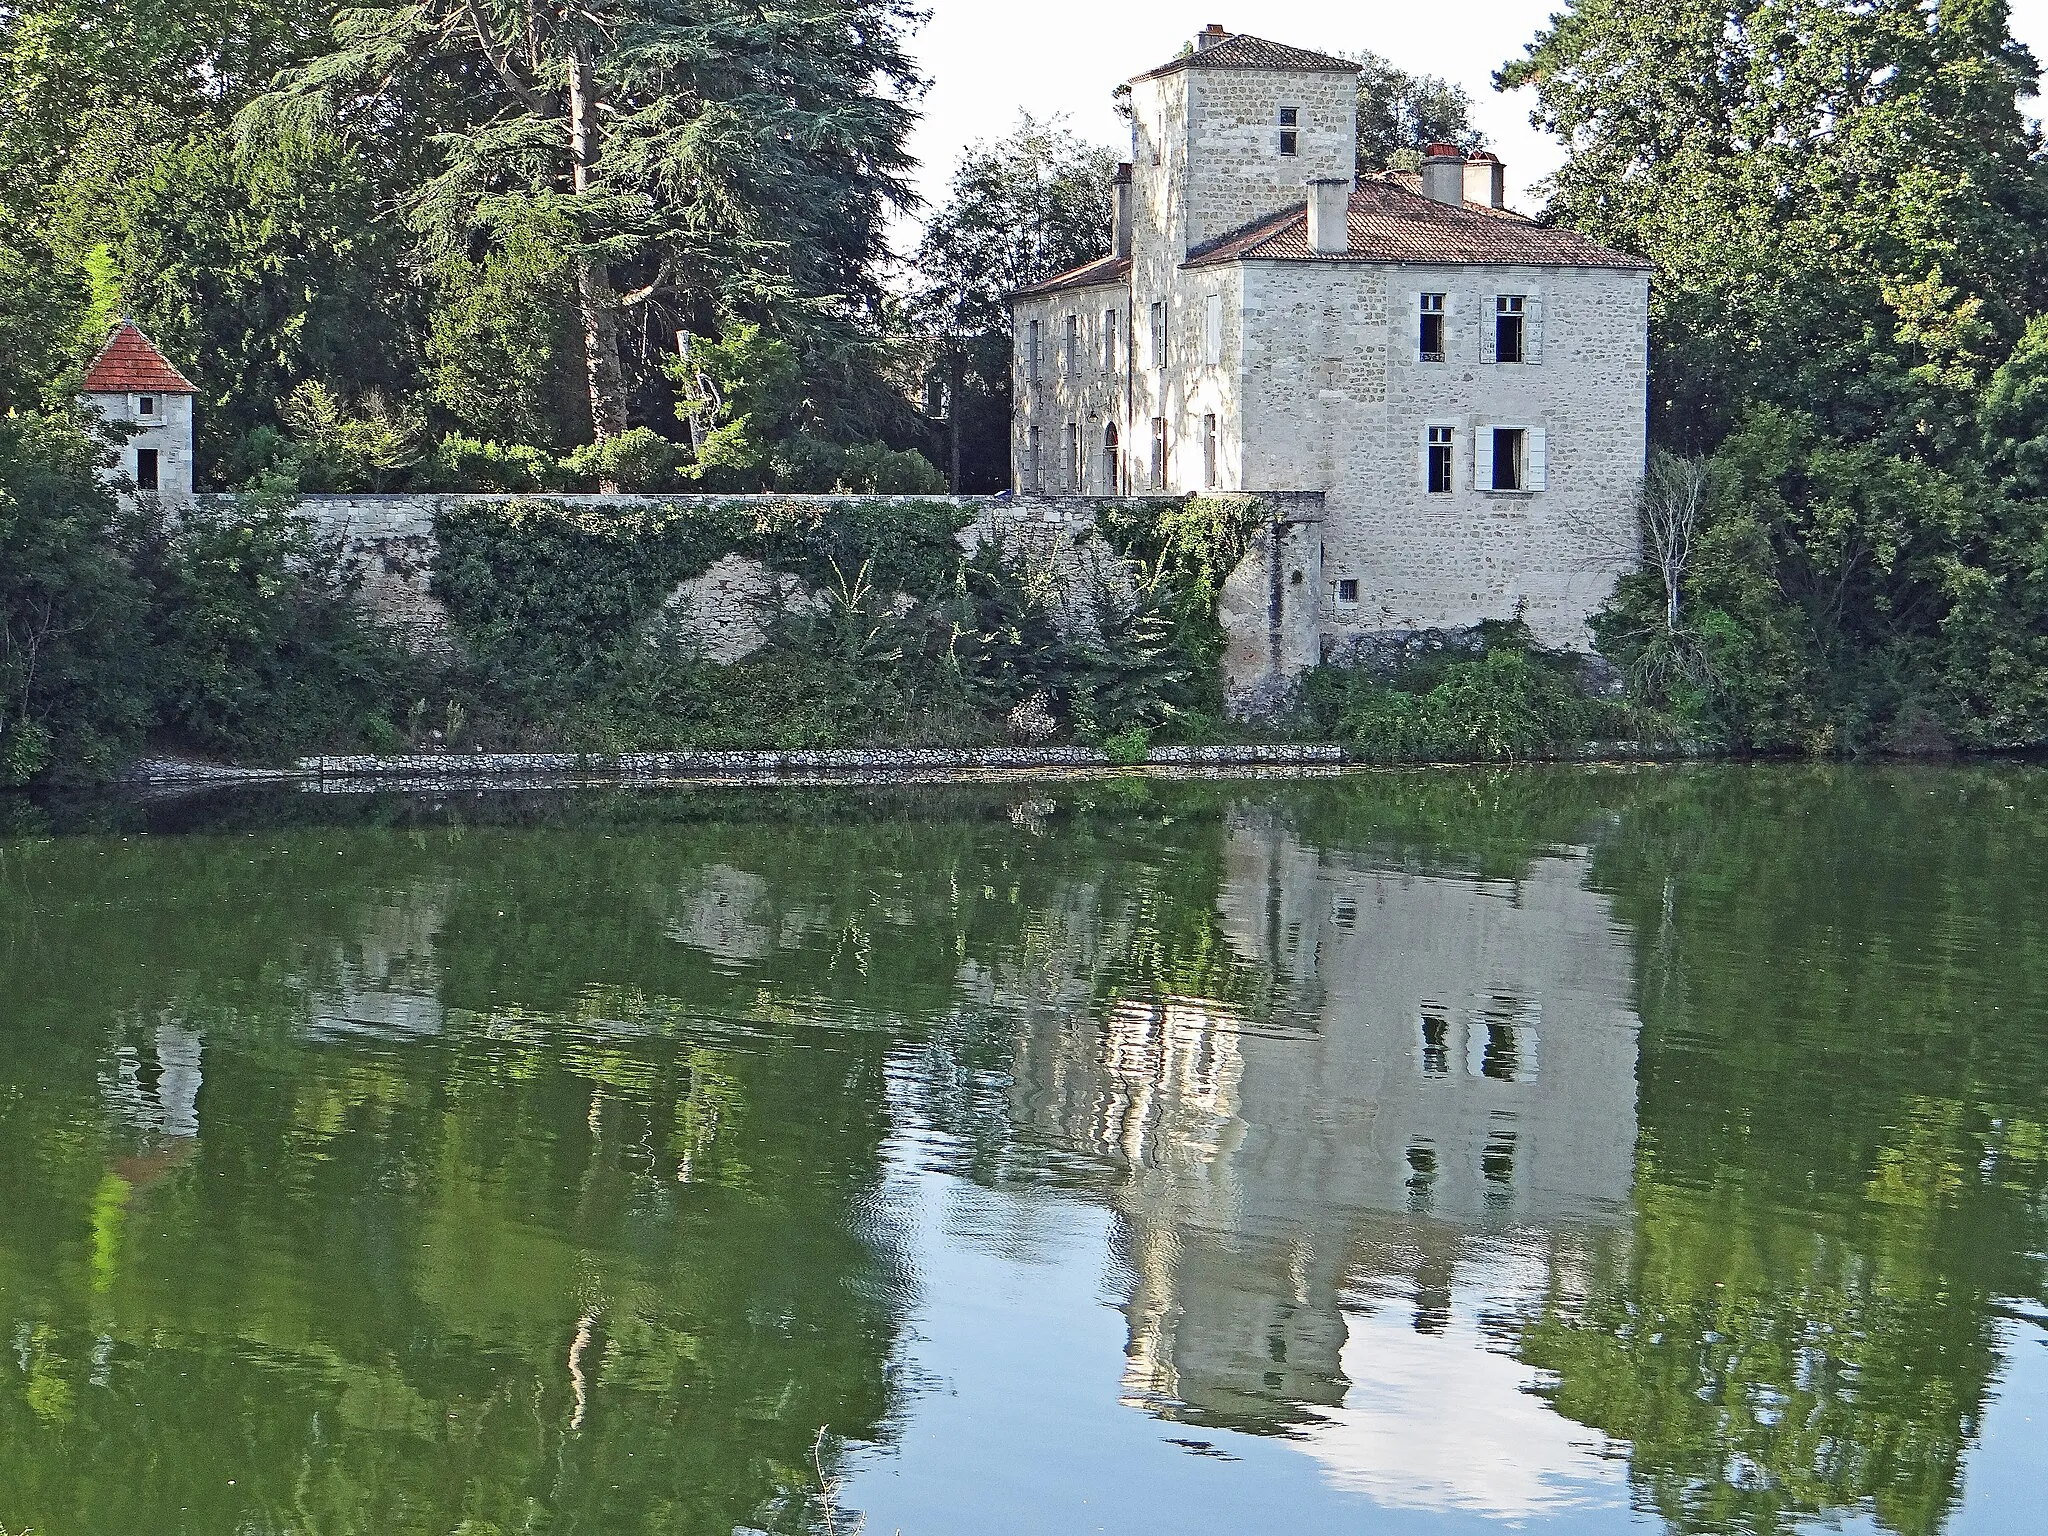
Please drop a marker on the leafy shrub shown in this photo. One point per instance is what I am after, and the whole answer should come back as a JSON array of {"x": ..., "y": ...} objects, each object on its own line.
[
  {"x": 638, "y": 460},
  {"x": 1510, "y": 704},
  {"x": 876, "y": 469},
  {"x": 460, "y": 463},
  {"x": 1128, "y": 749}
]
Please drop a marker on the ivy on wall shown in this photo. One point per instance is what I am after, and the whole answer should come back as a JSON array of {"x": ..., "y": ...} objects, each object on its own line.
[{"x": 544, "y": 587}]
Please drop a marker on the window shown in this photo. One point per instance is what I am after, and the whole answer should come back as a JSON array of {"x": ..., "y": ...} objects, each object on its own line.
[
  {"x": 1031, "y": 354},
  {"x": 1509, "y": 332},
  {"x": 145, "y": 405},
  {"x": 1112, "y": 471},
  {"x": 1071, "y": 452},
  {"x": 1209, "y": 453},
  {"x": 1212, "y": 330},
  {"x": 1508, "y": 446},
  {"x": 1031, "y": 465},
  {"x": 1436, "y": 1045},
  {"x": 1347, "y": 590},
  {"x": 1159, "y": 334},
  {"x": 1073, "y": 346},
  {"x": 1439, "y": 465},
  {"x": 1290, "y": 130},
  {"x": 1432, "y": 338},
  {"x": 1158, "y": 453},
  {"x": 1109, "y": 341},
  {"x": 145, "y": 469}
]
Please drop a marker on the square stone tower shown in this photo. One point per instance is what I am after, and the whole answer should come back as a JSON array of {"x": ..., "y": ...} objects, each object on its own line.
[{"x": 132, "y": 384}]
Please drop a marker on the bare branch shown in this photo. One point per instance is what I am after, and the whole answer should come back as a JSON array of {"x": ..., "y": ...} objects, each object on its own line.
[{"x": 529, "y": 97}]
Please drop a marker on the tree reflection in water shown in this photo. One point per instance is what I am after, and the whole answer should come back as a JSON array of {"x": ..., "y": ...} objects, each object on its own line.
[{"x": 1495, "y": 1137}]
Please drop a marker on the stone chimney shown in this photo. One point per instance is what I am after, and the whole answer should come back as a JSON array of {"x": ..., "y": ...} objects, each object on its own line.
[
  {"x": 1486, "y": 180},
  {"x": 1443, "y": 174},
  {"x": 1329, "y": 215},
  {"x": 1209, "y": 37},
  {"x": 1121, "y": 235}
]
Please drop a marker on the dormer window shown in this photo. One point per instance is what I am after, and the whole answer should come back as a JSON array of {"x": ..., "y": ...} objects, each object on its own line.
[{"x": 1290, "y": 130}]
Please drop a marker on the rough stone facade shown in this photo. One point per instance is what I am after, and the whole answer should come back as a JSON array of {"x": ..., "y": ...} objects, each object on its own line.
[
  {"x": 165, "y": 431},
  {"x": 1282, "y": 366}
]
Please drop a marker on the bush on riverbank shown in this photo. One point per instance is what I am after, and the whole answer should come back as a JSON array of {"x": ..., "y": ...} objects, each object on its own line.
[
  {"x": 207, "y": 634},
  {"x": 1512, "y": 702}
]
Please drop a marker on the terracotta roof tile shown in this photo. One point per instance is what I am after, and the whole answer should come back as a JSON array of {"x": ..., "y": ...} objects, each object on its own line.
[
  {"x": 1243, "y": 51},
  {"x": 130, "y": 362},
  {"x": 1392, "y": 221},
  {"x": 1104, "y": 269}
]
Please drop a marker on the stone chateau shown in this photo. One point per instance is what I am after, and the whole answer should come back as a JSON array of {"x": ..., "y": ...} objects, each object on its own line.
[{"x": 1465, "y": 387}]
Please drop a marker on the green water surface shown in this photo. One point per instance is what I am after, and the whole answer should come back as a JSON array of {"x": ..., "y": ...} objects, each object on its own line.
[{"x": 1563, "y": 1150}]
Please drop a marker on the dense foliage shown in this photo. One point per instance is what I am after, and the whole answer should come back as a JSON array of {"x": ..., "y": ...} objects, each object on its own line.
[
  {"x": 229, "y": 634},
  {"x": 1848, "y": 212}
]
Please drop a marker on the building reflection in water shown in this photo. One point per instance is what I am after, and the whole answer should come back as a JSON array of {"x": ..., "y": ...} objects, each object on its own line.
[{"x": 1446, "y": 1070}]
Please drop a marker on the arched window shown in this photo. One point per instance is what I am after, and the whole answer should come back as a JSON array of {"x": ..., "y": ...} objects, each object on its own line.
[{"x": 1110, "y": 467}]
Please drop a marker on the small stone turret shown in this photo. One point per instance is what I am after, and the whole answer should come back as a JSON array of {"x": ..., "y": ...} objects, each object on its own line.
[{"x": 132, "y": 384}]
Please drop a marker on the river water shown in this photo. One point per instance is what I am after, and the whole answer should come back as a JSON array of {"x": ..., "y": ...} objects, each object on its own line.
[{"x": 1574, "y": 1150}]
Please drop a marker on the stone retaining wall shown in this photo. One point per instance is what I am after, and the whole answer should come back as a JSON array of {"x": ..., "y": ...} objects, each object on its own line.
[{"x": 1270, "y": 607}]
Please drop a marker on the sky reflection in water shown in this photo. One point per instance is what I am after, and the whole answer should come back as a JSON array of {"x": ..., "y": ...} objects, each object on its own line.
[{"x": 1564, "y": 1150}]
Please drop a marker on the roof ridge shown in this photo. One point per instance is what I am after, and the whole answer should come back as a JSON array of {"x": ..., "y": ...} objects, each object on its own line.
[{"x": 1244, "y": 50}]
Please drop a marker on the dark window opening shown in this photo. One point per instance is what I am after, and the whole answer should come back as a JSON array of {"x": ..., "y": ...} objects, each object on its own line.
[
  {"x": 1507, "y": 458},
  {"x": 1110, "y": 468},
  {"x": 1502, "y": 1058},
  {"x": 1436, "y": 1045},
  {"x": 145, "y": 469},
  {"x": 1440, "y": 460},
  {"x": 1347, "y": 590},
  {"x": 147, "y": 405},
  {"x": 1159, "y": 334},
  {"x": 1290, "y": 135},
  {"x": 1421, "y": 1176},
  {"x": 1432, "y": 328},
  {"x": 1209, "y": 453},
  {"x": 1158, "y": 453},
  {"x": 1497, "y": 1167},
  {"x": 1507, "y": 329}
]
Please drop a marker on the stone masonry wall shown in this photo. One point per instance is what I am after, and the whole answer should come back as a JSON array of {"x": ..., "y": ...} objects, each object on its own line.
[
  {"x": 1336, "y": 394},
  {"x": 391, "y": 540}
]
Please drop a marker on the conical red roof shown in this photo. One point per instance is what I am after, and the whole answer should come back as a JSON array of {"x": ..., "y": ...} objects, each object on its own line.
[{"x": 130, "y": 362}]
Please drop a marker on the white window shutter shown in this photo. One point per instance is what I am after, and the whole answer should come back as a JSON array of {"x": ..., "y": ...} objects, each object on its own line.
[
  {"x": 1212, "y": 338},
  {"x": 1539, "y": 459},
  {"x": 1532, "y": 328},
  {"x": 1422, "y": 460},
  {"x": 1482, "y": 457},
  {"x": 1489, "y": 331}
]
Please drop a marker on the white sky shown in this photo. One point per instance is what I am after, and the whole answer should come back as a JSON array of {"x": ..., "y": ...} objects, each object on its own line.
[{"x": 987, "y": 61}]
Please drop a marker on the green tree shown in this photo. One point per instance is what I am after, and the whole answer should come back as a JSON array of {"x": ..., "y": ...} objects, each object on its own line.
[
  {"x": 703, "y": 157},
  {"x": 1843, "y": 201},
  {"x": 1021, "y": 209},
  {"x": 1398, "y": 113}
]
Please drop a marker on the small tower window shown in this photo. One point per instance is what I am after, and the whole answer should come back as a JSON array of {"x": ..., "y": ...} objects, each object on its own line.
[
  {"x": 1290, "y": 130},
  {"x": 1347, "y": 590},
  {"x": 145, "y": 405},
  {"x": 145, "y": 469}
]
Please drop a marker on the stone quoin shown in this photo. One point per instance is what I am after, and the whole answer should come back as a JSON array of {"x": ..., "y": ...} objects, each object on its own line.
[{"x": 1466, "y": 387}]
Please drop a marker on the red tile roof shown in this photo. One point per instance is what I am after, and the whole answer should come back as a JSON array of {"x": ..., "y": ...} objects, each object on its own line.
[
  {"x": 1104, "y": 269},
  {"x": 130, "y": 362},
  {"x": 1392, "y": 221},
  {"x": 1243, "y": 51}
]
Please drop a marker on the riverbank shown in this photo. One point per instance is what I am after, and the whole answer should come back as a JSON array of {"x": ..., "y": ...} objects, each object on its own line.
[{"x": 467, "y": 769}]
